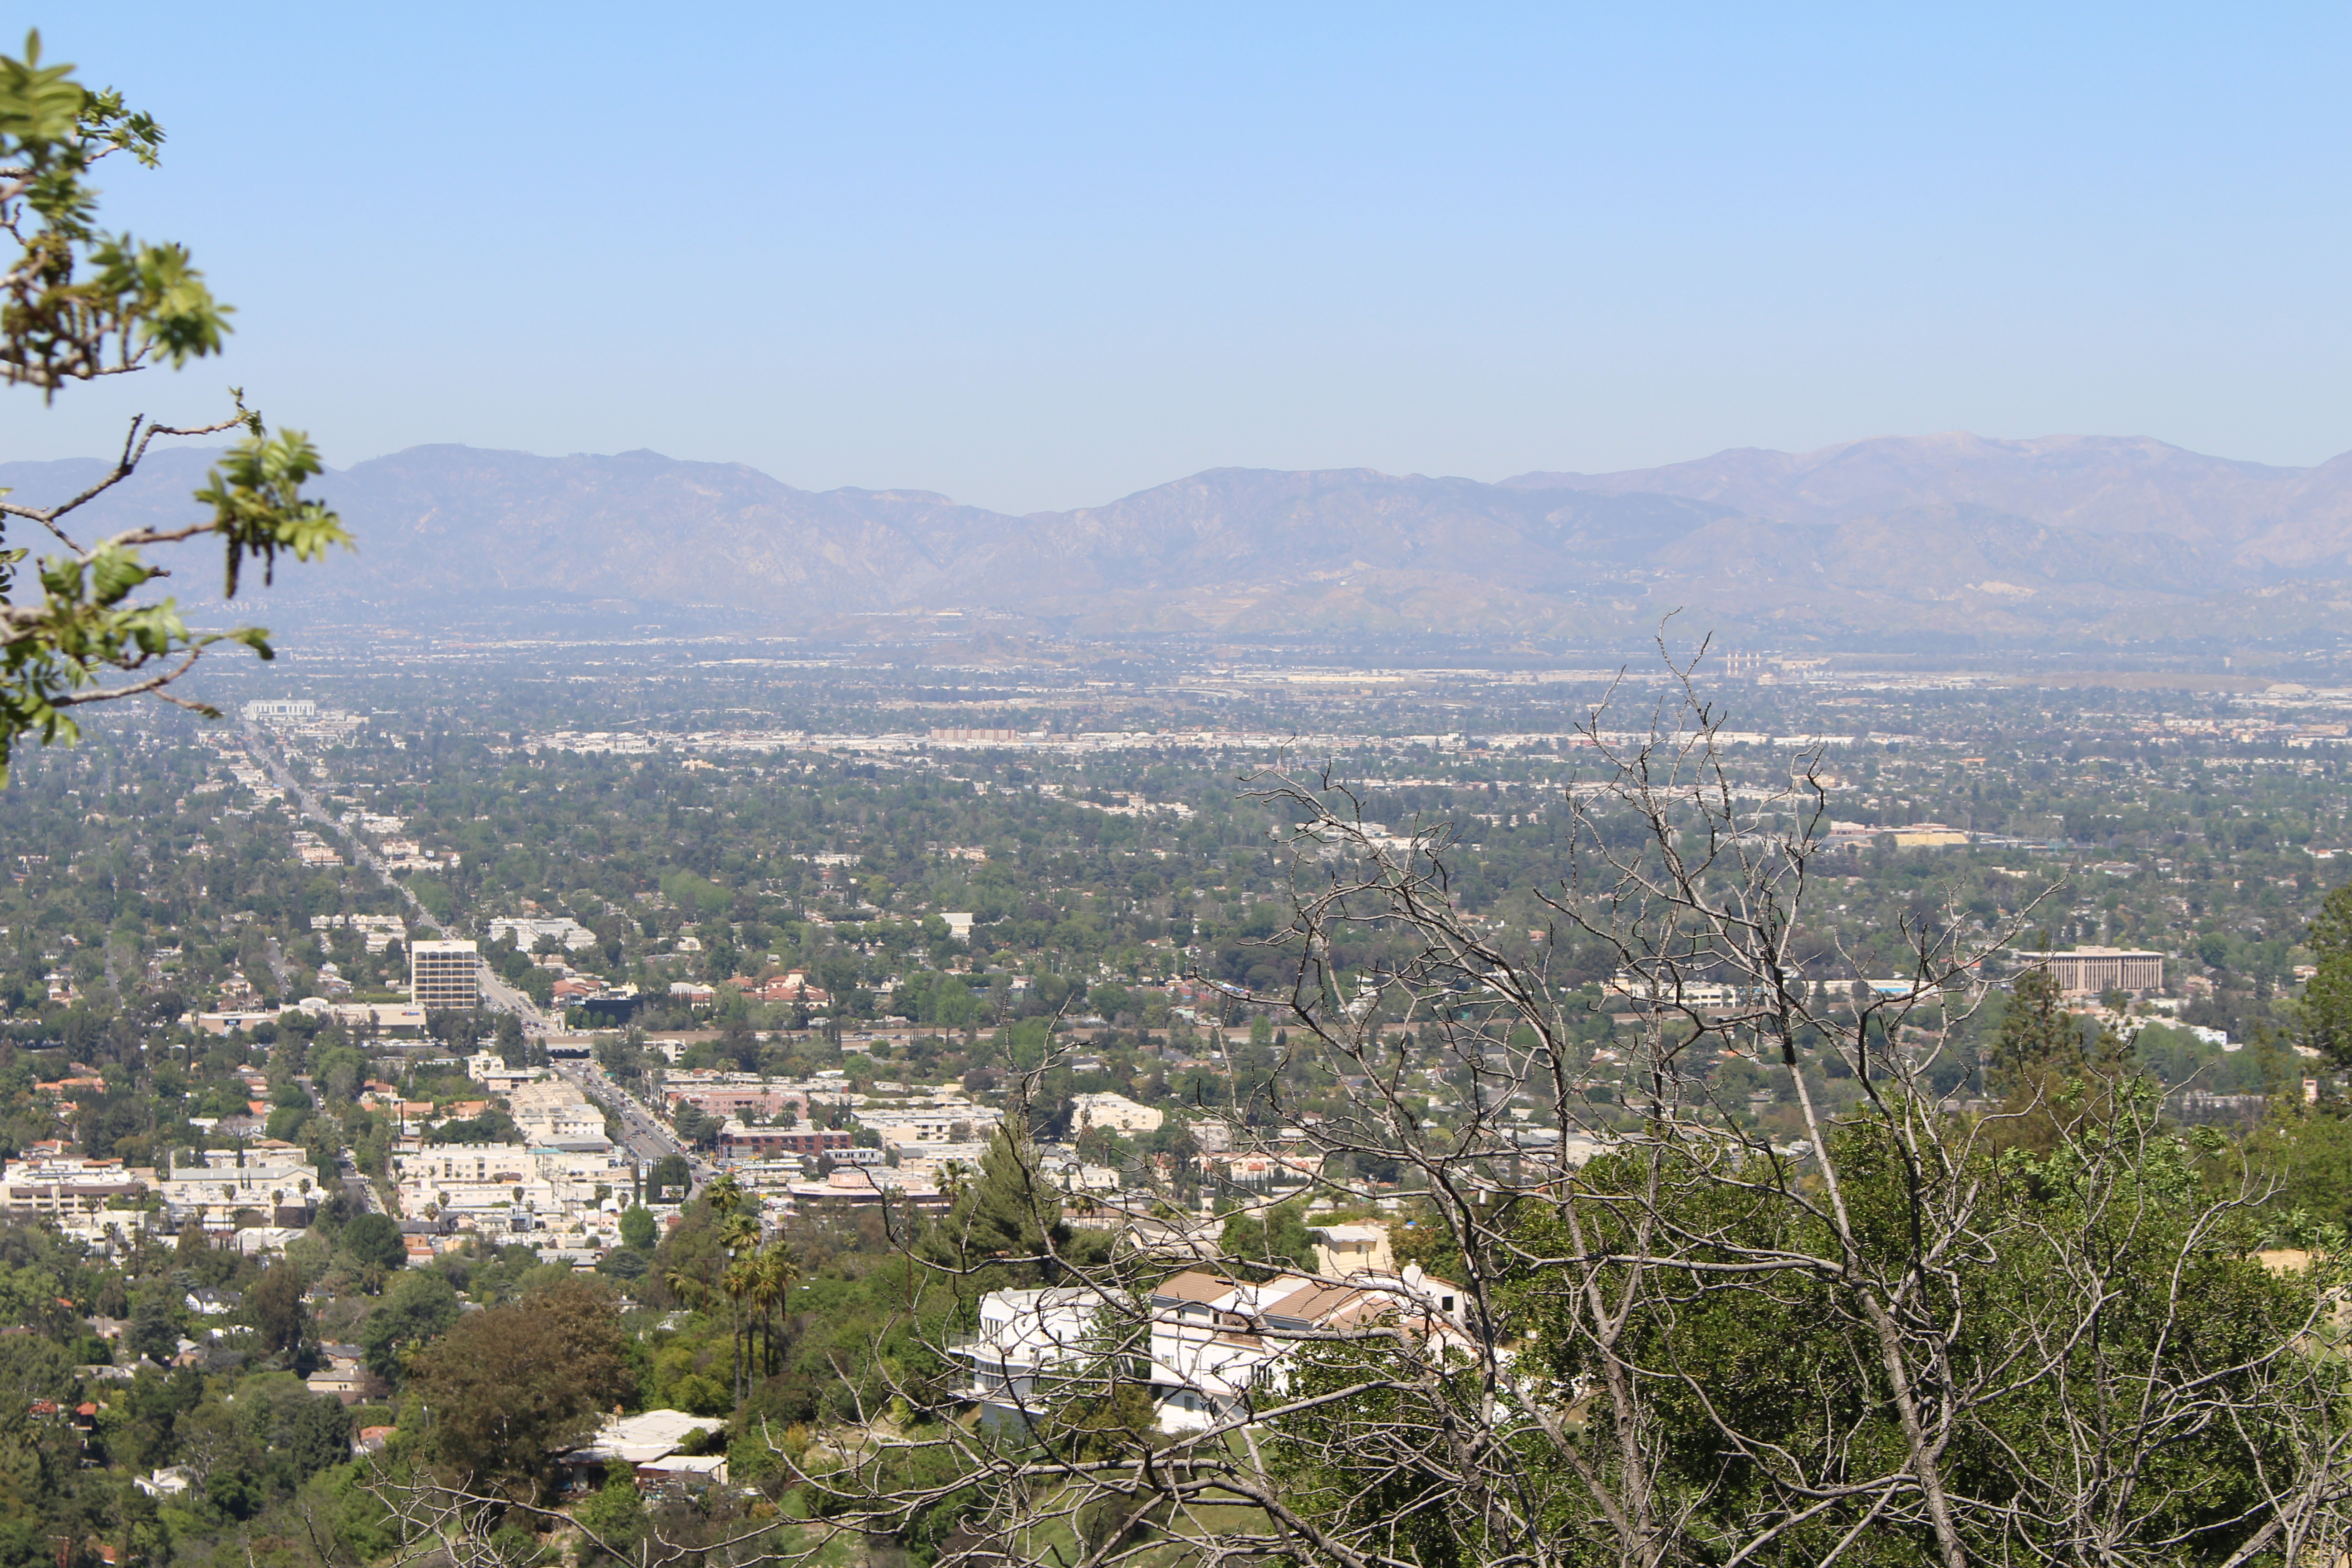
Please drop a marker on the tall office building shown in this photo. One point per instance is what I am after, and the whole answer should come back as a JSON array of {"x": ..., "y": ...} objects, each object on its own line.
[
  {"x": 443, "y": 975},
  {"x": 2088, "y": 971}
]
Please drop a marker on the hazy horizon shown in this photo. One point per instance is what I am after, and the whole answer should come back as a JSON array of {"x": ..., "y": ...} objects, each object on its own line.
[
  {"x": 338, "y": 465},
  {"x": 1040, "y": 257}
]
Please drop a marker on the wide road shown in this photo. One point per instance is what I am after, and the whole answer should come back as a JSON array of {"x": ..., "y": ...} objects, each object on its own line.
[
  {"x": 497, "y": 993},
  {"x": 641, "y": 1132}
]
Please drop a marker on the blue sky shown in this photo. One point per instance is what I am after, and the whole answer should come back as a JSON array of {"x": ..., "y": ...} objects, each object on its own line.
[{"x": 1042, "y": 257}]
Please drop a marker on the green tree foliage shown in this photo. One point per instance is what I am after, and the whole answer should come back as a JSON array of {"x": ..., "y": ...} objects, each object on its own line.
[
  {"x": 274, "y": 1301},
  {"x": 1265, "y": 1245},
  {"x": 374, "y": 1240},
  {"x": 2308, "y": 1151},
  {"x": 338, "y": 1071},
  {"x": 2049, "y": 1076},
  {"x": 417, "y": 1309},
  {"x": 1011, "y": 1217},
  {"x": 509, "y": 1385},
  {"x": 690, "y": 891},
  {"x": 624, "y": 1263},
  {"x": 690, "y": 1262},
  {"x": 614, "y": 1517},
  {"x": 638, "y": 1231},
  {"x": 513, "y": 1047},
  {"x": 78, "y": 302},
  {"x": 146, "y": 1433},
  {"x": 1111, "y": 1418},
  {"x": 2037, "y": 1036},
  {"x": 273, "y": 1435},
  {"x": 2327, "y": 995},
  {"x": 670, "y": 1181},
  {"x": 492, "y": 1126},
  {"x": 695, "y": 1129},
  {"x": 154, "y": 1330}
]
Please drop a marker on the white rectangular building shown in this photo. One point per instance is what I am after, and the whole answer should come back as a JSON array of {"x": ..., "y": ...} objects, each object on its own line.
[
  {"x": 2093, "y": 970},
  {"x": 1115, "y": 1112}
]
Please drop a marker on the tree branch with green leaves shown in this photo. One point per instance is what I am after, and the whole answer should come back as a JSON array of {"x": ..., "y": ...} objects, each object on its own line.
[{"x": 77, "y": 303}]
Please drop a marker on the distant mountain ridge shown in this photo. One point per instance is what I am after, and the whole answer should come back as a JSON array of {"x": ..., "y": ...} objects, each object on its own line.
[
  {"x": 1951, "y": 535},
  {"x": 2098, "y": 484}
]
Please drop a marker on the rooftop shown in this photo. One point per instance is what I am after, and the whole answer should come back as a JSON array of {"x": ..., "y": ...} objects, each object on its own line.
[{"x": 643, "y": 1438}]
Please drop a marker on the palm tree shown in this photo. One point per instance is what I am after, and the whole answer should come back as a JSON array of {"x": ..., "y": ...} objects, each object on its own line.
[
  {"x": 683, "y": 1284},
  {"x": 736, "y": 1282},
  {"x": 739, "y": 1235},
  {"x": 725, "y": 1196},
  {"x": 773, "y": 1272}
]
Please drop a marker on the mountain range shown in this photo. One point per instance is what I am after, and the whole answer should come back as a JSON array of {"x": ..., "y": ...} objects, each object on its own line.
[{"x": 1940, "y": 537}]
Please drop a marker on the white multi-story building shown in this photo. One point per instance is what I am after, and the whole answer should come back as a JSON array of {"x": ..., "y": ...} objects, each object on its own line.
[
  {"x": 211, "y": 1194},
  {"x": 941, "y": 1121},
  {"x": 380, "y": 1015},
  {"x": 509, "y": 1187},
  {"x": 2089, "y": 970},
  {"x": 1217, "y": 1346},
  {"x": 445, "y": 976},
  {"x": 1345, "y": 1251},
  {"x": 1030, "y": 1343},
  {"x": 93, "y": 1201},
  {"x": 554, "y": 1114},
  {"x": 1639, "y": 990},
  {"x": 490, "y": 1071},
  {"x": 379, "y": 932},
  {"x": 527, "y": 931},
  {"x": 1115, "y": 1112}
]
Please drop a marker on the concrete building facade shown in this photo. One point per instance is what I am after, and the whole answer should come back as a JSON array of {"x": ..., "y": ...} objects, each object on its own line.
[
  {"x": 2093, "y": 970},
  {"x": 445, "y": 976}
]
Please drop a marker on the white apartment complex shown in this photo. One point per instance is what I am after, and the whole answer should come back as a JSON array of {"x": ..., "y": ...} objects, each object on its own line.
[
  {"x": 557, "y": 1114},
  {"x": 501, "y": 1189},
  {"x": 1115, "y": 1112},
  {"x": 527, "y": 932},
  {"x": 378, "y": 932},
  {"x": 93, "y": 1201},
  {"x": 211, "y": 1193},
  {"x": 941, "y": 1118}
]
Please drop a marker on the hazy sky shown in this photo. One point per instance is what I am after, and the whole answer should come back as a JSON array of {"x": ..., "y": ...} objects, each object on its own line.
[{"x": 1040, "y": 257}]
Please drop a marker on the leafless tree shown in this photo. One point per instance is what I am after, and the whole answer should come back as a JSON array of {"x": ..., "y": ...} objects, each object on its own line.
[{"x": 1652, "y": 1328}]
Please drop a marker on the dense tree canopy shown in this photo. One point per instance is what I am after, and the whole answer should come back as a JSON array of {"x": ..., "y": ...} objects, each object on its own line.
[
  {"x": 510, "y": 1386},
  {"x": 419, "y": 1306}
]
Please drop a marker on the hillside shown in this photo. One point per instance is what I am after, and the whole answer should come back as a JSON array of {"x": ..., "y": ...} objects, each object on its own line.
[{"x": 1948, "y": 536}]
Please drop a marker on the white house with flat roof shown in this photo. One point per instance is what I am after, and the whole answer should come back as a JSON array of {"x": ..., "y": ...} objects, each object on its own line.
[{"x": 1216, "y": 1344}]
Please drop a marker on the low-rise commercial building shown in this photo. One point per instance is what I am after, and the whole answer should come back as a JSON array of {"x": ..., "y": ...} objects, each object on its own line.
[
  {"x": 276, "y": 1183},
  {"x": 97, "y": 1202},
  {"x": 737, "y": 1141}
]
